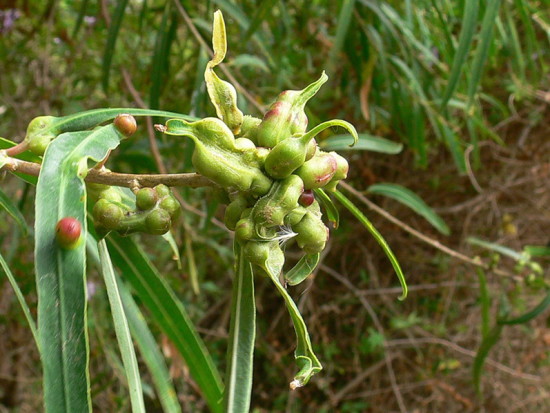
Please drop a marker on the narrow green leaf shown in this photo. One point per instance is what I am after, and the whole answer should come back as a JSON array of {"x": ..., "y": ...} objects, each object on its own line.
[
  {"x": 330, "y": 209},
  {"x": 485, "y": 300},
  {"x": 537, "y": 250},
  {"x": 518, "y": 256},
  {"x": 303, "y": 269},
  {"x": 263, "y": 10},
  {"x": 486, "y": 36},
  {"x": 169, "y": 314},
  {"x": 7, "y": 204},
  {"x": 528, "y": 316},
  {"x": 112, "y": 36},
  {"x": 307, "y": 361},
  {"x": 150, "y": 351},
  {"x": 468, "y": 26},
  {"x": 413, "y": 201},
  {"x": 21, "y": 299},
  {"x": 486, "y": 345},
  {"x": 60, "y": 273},
  {"x": 80, "y": 18},
  {"x": 377, "y": 236},
  {"x": 365, "y": 142},
  {"x": 122, "y": 330},
  {"x": 342, "y": 27},
  {"x": 242, "y": 333},
  {"x": 160, "y": 61}
]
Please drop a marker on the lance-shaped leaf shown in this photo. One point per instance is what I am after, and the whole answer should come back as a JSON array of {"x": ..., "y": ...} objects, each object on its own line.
[
  {"x": 305, "y": 357},
  {"x": 242, "y": 332},
  {"x": 222, "y": 94},
  {"x": 60, "y": 273},
  {"x": 169, "y": 315}
]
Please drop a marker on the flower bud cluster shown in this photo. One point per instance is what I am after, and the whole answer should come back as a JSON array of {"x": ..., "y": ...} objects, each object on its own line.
[
  {"x": 155, "y": 211},
  {"x": 268, "y": 166}
]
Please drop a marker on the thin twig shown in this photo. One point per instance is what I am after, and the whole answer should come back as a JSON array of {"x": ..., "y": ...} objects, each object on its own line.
[
  {"x": 378, "y": 325},
  {"x": 462, "y": 350},
  {"x": 119, "y": 179},
  {"x": 430, "y": 241}
]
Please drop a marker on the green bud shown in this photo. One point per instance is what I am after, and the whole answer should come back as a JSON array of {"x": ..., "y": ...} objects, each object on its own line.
[
  {"x": 172, "y": 206},
  {"x": 342, "y": 168},
  {"x": 264, "y": 254},
  {"x": 286, "y": 116},
  {"x": 287, "y": 156},
  {"x": 244, "y": 229},
  {"x": 249, "y": 128},
  {"x": 312, "y": 234},
  {"x": 107, "y": 214},
  {"x": 158, "y": 222},
  {"x": 318, "y": 171},
  {"x": 40, "y": 133},
  {"x": 146, "y": 198},
  {"x": 162, "y": 190},
  {"x": 270, "y": 211},
  {"x": 234, "y": 211},
  {"x": 295, "y": 216}
]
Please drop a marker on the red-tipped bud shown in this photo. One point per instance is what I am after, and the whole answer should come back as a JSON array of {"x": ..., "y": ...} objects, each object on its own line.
[
  {"x": 126, "y": 124},
  {"x": 307, "y": 198},
  {"x": 67, "y": 232}
]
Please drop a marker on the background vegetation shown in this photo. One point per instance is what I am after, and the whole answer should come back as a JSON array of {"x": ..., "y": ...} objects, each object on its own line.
[{"x": 463, "y": 85}]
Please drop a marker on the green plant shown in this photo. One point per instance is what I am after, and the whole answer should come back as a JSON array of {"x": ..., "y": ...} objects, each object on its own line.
[{"x": 265, "y": 184}]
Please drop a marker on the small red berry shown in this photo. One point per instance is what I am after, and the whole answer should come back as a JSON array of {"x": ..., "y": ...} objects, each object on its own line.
[
  {"x": 307, "y": 198},
  {"x": 126, "y": 124},
  {"x": 67, "y": 232}
]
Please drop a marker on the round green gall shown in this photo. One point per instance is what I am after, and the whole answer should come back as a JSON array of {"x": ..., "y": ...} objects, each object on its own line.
[
  {"x": 234, "y": 211},
  {"x": 67, "y": 232},
  {"x": 244, "y": 230},
  {"x": 171, "y": 205},
  {"x": 312, "y": 234},
  {"x": 126, "y": 124},
  {"x": 111, "y": 194},
  {"x": 39, "y": 143},
  {"x": 107, "y": 214},
  {"x": 158, "y": 222},
  {"x": 146, "y": 198},
  {"x": 162, "y": 190},
  {"x": 244, "y": 144}
]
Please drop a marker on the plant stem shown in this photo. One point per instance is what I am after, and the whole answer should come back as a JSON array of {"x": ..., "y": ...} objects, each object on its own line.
[{"x": 106, "y": 177}]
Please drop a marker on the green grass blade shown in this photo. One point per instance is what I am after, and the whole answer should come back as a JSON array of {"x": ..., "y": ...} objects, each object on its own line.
[
  {"x": 486, "y": 36},
  {"x": 377, "y": 236},
  {"x": 150, "y": 352},
  {"x": 112, "y": 36},
  {"x": 468, "y": 27},
  {"x": 169, "y": 314},
  {"x": 60, "y": 273},
  {"x": 80, "y": 18},
  {"x": 485, "y": 301},
  {"x": 485, "y": 347},
  {"x": 413, "y": 201},
  {"x": 365, "y": 142},
  {"x": 242, "y": 333},
  {"x": 342, "y": 26},
  {"x": 122, "y": 330},
  {"x": 528, "y": 316},
  {"x": 21, "y": 299},
  {"x": 7, "y": 204},
  {"x": 160, "y": 61}
]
